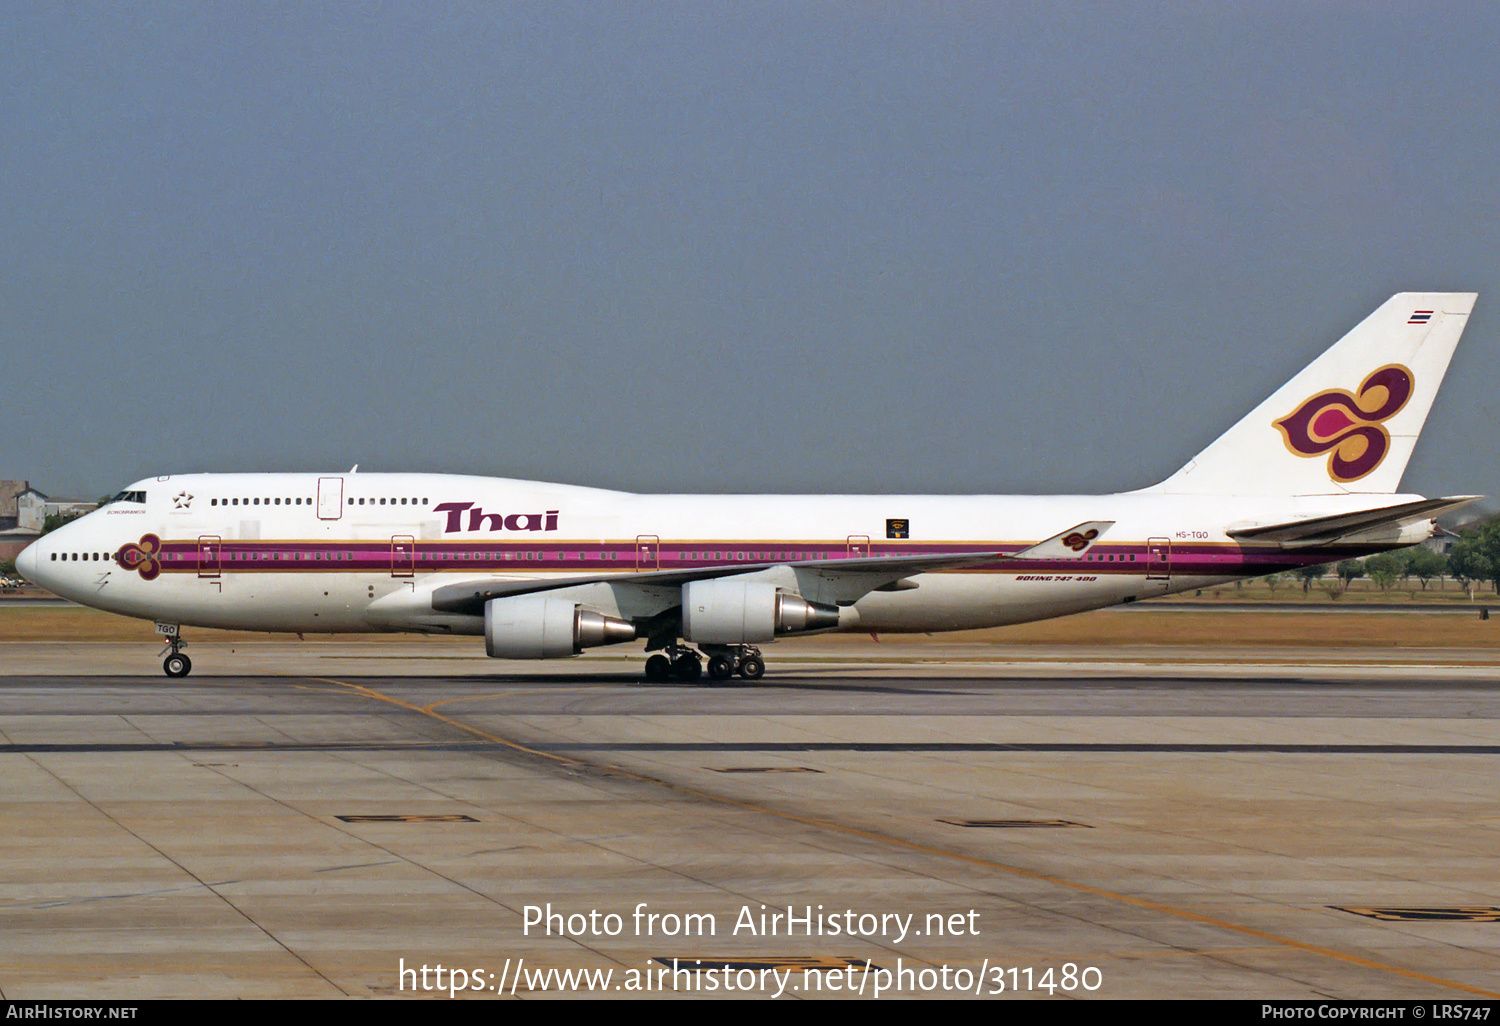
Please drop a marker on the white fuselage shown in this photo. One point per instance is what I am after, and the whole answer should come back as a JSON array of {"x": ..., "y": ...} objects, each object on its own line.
[{"x": 365, "y": 552}]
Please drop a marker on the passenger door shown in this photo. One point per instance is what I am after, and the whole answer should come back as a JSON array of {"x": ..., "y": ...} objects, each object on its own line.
[
  {"x": 330, "y": 498},
  {"x": 210, "y": 555},
  {"x": 403, "y": 555},
  {"x": 1158, "y": 559},
  {"x": 647, "y": 552}
]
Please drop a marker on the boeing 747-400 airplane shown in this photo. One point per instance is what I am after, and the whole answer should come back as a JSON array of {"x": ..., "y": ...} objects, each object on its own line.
[{"x": 544, "y": 571}]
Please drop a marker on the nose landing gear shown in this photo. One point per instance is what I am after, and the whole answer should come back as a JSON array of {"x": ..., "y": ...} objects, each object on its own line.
[{"x": 176, "y": 664}]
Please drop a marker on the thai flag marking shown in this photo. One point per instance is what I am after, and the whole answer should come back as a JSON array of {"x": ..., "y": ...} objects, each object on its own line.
[{"x": 1420, "y": 317}]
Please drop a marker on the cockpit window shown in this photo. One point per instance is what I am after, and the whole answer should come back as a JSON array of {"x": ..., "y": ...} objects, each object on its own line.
[{"x": 139, "y": 497}]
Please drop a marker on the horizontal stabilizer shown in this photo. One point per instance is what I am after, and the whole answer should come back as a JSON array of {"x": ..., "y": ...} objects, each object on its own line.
[{"x": 1323, "y": 530}]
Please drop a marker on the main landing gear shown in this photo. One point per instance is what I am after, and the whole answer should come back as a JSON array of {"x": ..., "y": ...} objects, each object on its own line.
[
  {"x": 176, "y": 664},
  {"x": 724, "y": 661}
]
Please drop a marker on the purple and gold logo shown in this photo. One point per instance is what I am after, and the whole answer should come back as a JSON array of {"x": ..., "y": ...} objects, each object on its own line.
[
  {"x": 1078, "y": 542},
  {"x": 142, "y": 557},
  {"x": 1347, "y": 426}
]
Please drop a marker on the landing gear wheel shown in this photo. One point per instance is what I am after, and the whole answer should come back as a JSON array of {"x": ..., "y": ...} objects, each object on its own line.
[
  {"x": 720, "y": 668},
  {"x": 752, "y": 668},
  {"x": 177, "y": 665},
  {"x": 658, "y": 667},
  {"x": 687, "y": 668}
]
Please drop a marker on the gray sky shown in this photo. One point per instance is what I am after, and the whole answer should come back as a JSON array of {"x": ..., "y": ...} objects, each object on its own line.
[{"x": 945, "y": 247}]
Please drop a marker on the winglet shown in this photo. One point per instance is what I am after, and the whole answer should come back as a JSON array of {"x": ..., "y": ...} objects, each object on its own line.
[{"x": 1069, "y": 544}]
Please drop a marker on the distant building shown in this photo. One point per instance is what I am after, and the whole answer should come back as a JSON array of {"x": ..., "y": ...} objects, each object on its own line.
[
  {"x": 1440, "y": 543},
  {"x": 68, "y": 508},
  {"x": 24, "y": 512}
]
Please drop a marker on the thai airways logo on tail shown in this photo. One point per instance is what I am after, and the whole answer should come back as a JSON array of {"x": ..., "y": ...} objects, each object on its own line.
[{"x": 1348, "y": 426}]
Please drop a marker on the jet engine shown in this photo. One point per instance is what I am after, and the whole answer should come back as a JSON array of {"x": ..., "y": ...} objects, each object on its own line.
[
  {"x": 538, "y": 627},
  {"x": 747, "y": 612}
]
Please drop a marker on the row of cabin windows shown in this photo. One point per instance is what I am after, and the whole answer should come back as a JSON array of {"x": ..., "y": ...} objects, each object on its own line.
[
  {"x": 743, "y": 556},
  {"x": 299, "y": 502},
  {"x": 96, "y": 556}
]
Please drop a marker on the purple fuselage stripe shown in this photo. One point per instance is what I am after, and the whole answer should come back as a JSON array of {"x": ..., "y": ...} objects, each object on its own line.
[{"x": 188, "y": 556}]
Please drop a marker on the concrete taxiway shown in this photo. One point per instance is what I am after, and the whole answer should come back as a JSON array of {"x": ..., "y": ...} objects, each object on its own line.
[{"x": 304, "y": 821}]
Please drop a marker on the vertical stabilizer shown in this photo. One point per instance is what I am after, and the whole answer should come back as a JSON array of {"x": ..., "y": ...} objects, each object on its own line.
[{"x": 1349, "y": 421}]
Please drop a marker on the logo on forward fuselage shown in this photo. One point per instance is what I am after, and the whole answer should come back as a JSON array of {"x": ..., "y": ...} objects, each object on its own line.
[
  {"x": 143, "y": 556},
  {"x": 1348, "y": 426},
  {"x": 479, "y": 520}
]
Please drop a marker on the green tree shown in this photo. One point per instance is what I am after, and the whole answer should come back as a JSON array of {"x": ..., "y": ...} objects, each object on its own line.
[
  {"x": 1349, "y": 571},
  {"x": 1308, "y": 574},
  {"x": 1273, "y": 581},
  {"x": 1385, "y": 569},
  {"x": 1476, "y": 555},
  {"x": 54, "y": 521},
  {"x": 1424, "y": 564}
]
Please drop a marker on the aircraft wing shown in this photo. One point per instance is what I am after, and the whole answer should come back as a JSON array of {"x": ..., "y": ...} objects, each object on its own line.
[
  {"x": 863, "y": 574},
  {"x": 1295, "y": 534}
]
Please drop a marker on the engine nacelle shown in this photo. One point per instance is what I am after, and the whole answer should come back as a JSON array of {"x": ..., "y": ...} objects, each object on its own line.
[
  {"x": 538, "y": 627},
  {"x": 747, "y": 612}
]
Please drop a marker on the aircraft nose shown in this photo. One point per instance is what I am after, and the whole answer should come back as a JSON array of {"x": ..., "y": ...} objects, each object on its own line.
[{"x": 26, "y": 563}]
